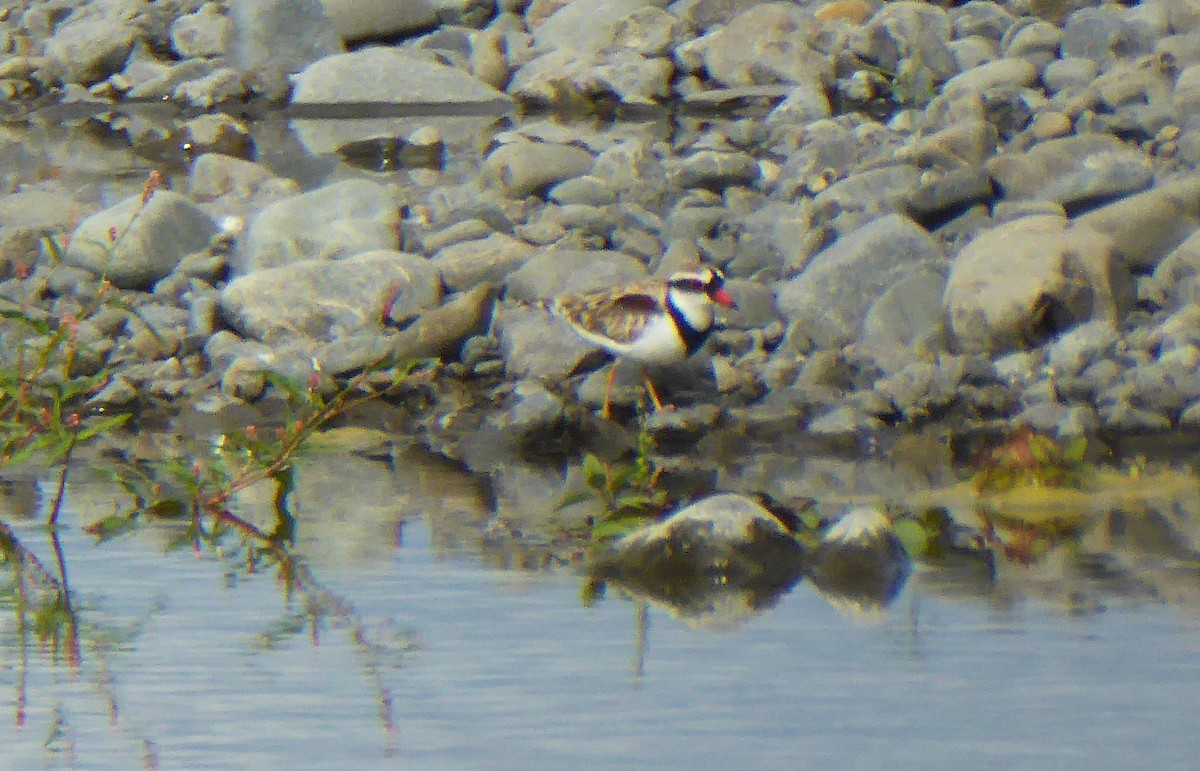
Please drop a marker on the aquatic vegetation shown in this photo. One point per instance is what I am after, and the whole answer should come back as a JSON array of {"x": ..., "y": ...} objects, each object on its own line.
[
  {"x": 1033, "y": 460},
  {"x": 627, "y": 491}
]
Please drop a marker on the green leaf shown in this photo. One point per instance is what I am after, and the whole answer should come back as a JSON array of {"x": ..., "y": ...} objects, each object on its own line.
[
  {"x": 96, "y": 426},
  {"x": 914, "y": 535},
  {"x": 615, "y": 528},
  {"x": 111, "y": 526},
  {"x": 573, "y": 498},
  {"x": 594, "y": 473},
  {"x": 1075, "y": 450}
]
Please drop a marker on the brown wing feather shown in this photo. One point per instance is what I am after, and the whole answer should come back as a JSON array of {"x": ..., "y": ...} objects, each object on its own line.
[{"x": 619, "y": 316}]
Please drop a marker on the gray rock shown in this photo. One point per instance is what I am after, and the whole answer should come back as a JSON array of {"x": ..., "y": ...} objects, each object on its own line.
[
  {"x": 1019, "y": 283},
  {"x": 906, "y": 321},
  {"x": 36, "y": 210},
  {"x": 323, "y": 299},
  {"x": 436, "y": 333},
  {"x": 567, "y": 76},
  {"x": 205, "y": 32},
  {"x": 683, "y": 424},
  {"x": 860, "y": 561},
  {"x": 691, "y": 379},
  {"x": 585, "y": 189},
  {"x": 987, "y": 20},
  {"x": 829, "y": 300},
  {"x": 555, "y": 272},
  {"x": 135, "y": 244},
  {"x": 1072, "y": 170},
  {"x": 844, "y": 420},
  {"x": 908, "y": 32},
  {"x": 1001, "y": 74},
  {"x": 590, "y": 27},
  {"x": 217, "y": 87},
  {"x": 921, "y": 390},
  {"x": 331, "y": 222},
  {"x": 1075, "y": 350},
  {"x": 1124, "y": 417},
  {"x": 971, "y": 52},
  {"x": 275, "y": 38},
  {"x": 943, "y": 196},
  {"x": 712, "y": 169},
  {"x": 872, "y": 192},
  {"x": 1037, "y": 42},
  {"x": 491, "y": 260},
  {"x": 369, "y": 76},
  {"x": 523, "y": 168},
  {"x": 535, "y": 344},
  {"x": 1178, "y": 273},
  {"x": 723, "y": 540},
  {"x": 1145, "y": 228},
  {"x": 1069, "y": 74},
  {"x": 90, "y": 49},
  {"x": 363, "y": 19},
  {"x": 805, "y": 103},
  {"x": 635, "y": 170},
  {"x": 768, "y": 43},
  {"x": 1104, "y": 34}
]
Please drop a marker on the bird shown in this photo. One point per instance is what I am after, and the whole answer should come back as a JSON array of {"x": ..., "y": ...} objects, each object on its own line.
[{"x": 656, "y": 322}]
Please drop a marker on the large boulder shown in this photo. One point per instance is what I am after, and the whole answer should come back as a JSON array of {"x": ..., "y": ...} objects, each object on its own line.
[
  {"x": 325, "y": 299},
  {"x": 1019, "y": 284},
  {"x": 139, "y": 241}
]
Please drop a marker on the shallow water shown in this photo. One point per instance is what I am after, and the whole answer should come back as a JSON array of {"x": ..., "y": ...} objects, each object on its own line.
[{"x": 463, "y": 665}]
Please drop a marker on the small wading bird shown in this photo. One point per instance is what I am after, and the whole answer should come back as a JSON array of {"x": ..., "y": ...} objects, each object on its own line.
[{"x": 652, "y": 323}]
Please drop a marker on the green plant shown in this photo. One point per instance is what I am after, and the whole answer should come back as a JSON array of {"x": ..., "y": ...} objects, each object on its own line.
[
  {"x": 1028, "y": 459},
  {"x": 42, "y": 388},
  {"x": 627, "y": 490}
]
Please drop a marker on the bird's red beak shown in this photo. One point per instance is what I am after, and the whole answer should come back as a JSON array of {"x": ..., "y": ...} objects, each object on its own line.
[{"x": 723, "y": 298}]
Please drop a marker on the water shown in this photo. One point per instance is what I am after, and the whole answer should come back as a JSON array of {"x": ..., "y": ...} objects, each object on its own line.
[{"x": 464, "y": 666}]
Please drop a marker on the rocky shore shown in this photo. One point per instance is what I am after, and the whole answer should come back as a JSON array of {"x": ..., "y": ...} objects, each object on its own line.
[{"x": 983, "y": 214}]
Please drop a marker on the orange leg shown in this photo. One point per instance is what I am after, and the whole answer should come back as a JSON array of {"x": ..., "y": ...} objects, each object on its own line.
[
  {"x": 658, "y": 405},
  {"x": 606, "y": 411}
]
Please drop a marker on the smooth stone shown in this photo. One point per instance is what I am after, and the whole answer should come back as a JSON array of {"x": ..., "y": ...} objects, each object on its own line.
[
  {"x": 332, "y": 222},
  {"x": 999, "y": 74},
  {"x": 567, "y": 77},
  {"x": 588, "y": 27},
  {"x": 1036, "y": 42},
  {"x": 920, "y": 390},
  {"x": 873, "y": 192},
  {"x": 275, "y": 38},
  {"x": 363, "y": 19},
  {"x": 555, "y": 272},
  {"x": 1072, "y": 170},
  {"x": 323, "y": 299},
  {"x": 1145, "y": 228},
  {"x": 830, "y": 299},
  {"x": 88, "y": 50},
  {"x": 1069, "y": 74},
  {"x": 205, "y": 32},
  {"x": 906, "y": 321},
  {"x": 721, "y": 540},
  {"x": 521, "y": 169},
  {"x": 938, "y": 197},
  {"x": 491, "y": 259},
  {"x": 767, "y": 43},
  {"x": 860, "y": 561},
  {"x": 136, "y": 242},
  {"x": 713, "y": 170},
  {"x": 1103, "y": 34},
  {"x": 908, "y": 31},
  {"x": 368, "y": 76},
  {"x": 437, "y": 333},
  {"x": 1019, "y": 283},
  {"x": 535, "y": 344}
]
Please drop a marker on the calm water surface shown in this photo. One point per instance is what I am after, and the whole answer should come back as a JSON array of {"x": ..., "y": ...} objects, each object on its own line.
[{"x": 462, "y": 666}]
